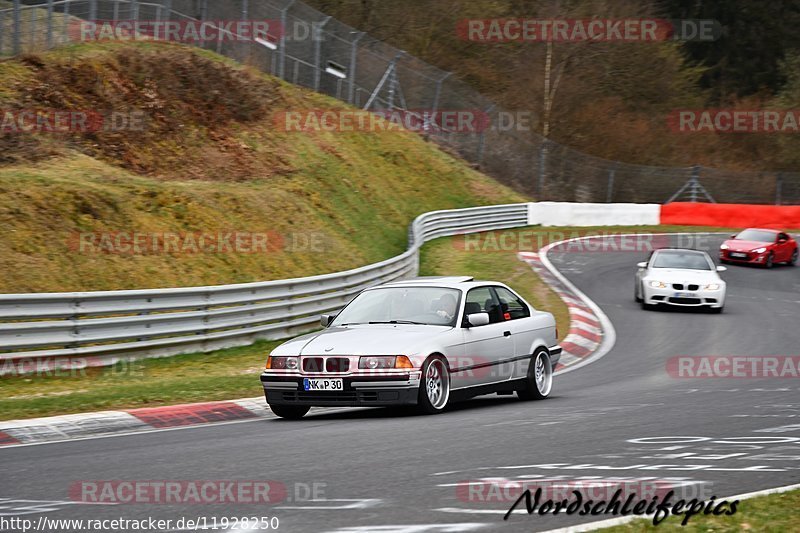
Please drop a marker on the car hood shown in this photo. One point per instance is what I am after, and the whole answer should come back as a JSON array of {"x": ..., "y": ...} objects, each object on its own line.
[
  {"x": 745, "y": 246},
  {"x": 371, "y": 339},
  {"x": 678, "y": 275}
]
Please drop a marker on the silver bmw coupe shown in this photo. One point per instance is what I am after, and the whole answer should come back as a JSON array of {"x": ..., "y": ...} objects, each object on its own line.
[{"x": 424, "y": 342}]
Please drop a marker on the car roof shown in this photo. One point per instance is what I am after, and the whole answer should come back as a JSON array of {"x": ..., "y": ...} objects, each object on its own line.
[
  {"x": 452, "y": 282},
  {"x": 681, "y": 250},
  {"x": 770, "y": 230}
]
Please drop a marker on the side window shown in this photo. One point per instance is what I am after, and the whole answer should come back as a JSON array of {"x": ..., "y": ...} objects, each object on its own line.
[
  {"x": 482, "y": 300},
  {"x": 511, "y": 306}
]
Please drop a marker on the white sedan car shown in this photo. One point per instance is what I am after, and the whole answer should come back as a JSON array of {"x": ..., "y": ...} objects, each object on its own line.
[
  {"x": 422, "y": 342},
  {"x": 687, "y": 278}
]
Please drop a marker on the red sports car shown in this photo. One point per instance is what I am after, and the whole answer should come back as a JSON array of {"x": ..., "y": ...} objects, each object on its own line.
[{"x": 763, "y": 247}]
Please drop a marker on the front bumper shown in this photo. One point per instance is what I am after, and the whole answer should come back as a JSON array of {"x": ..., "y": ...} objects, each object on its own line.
[
  {"x": 749, "y": 257},
  {"x": 359, "y": 390},
  {"x": 699, "y": 298}
]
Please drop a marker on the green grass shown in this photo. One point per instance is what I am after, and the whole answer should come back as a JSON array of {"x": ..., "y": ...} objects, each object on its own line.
[
  {"x": 775, "y": 513},
  {"x": 233, "y": 373},
  {"x": 211, "y": 159}
]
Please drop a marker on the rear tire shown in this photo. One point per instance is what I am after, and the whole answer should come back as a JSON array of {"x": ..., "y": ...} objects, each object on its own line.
[
  {"x": 290, "y": 412},
  {"x": 434, "y": 387},
  {"x": 539, "y": 382}
]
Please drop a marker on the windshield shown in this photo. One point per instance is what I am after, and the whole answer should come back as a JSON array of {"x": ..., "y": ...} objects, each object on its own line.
[
  {"x": 688, "y": 260},
  {"x": 435, "y": 306},
  {"x": 756, "y": 235}
]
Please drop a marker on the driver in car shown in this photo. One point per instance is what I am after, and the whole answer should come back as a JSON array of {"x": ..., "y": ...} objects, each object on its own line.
[{"x": 447, "y": 307}]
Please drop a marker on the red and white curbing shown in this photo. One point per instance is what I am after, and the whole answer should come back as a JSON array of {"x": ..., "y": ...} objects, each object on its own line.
[
  {"x": 105, "y": 423},
  {"x": 591, "y": 334},
  {"x": 585, "y": 332}
]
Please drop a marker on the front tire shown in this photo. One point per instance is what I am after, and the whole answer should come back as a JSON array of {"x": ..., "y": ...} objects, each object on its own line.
[
  {"x": 770, "y": 260},
  {"x": 290, "y": 412},
  {"x": 636, "y": 294},
  {"x": 793, "y": 260},
  {"x": 539, "y": 382},
  {"x": 434, "y": 388}
]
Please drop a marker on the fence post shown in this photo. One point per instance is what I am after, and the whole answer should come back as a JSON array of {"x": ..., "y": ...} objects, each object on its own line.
[
  {"x": 436, "y": 96},
  {"x": 282, "y": 40},
  {"x": 542, "y": 165},
  {"x": 318, "y": 52},
  {"x": 695, "y": 180},
  {"x": 49, "y": 23},
  {"x": 135, "y": 10},
  {"x": 778, "y": 188},
  {"x": 65, "y": 38},
  {"x": 167, "y": 10},
  {"x": 244, "y": 9},
  {"x": 351, "y": 89},
  {"x": 93, "y": 10},
  {"x": 482, "y": 139},
  {"x": 17, "y": 46},
  {"x": 610, "y": 189},
  {"x": 2, "y": 29}
]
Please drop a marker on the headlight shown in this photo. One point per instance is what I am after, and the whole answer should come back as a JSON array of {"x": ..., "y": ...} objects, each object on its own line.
[
  {"x": 724, "y": 247},
  {"x": 372, "y": 362},
  {"x": 759, "y": 250},
  {"x": 282, "y": 363},
  {"x": 712, "y": 287},
  {"x": 658, "y": 285}
]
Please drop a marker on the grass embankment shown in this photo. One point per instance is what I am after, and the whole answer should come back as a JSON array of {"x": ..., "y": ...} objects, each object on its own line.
[
  {"x": 209, "y": 159},
  {"x": 775, "y": 513},
  {"x": 233, "y": 373}
]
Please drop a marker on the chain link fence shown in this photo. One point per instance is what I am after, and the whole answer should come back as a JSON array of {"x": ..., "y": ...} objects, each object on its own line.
[{"x": 313, "y": 50}]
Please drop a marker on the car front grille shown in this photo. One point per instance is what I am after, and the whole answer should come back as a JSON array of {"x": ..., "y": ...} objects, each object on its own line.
[
  {"x": 677, "y": 286},
  {"x": 313, "y": 364},
  {"x": 337, "y": 364},
  {"x": 685, "y": 301},
  {"x": 693, "y": 287}
]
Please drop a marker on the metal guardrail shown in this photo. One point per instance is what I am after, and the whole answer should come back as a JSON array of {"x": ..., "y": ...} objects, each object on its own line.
[{"x": 104, "y": 327}]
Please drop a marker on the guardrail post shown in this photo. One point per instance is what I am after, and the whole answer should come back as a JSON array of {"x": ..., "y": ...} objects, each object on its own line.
[
  {"x": 778, "y": 188},
  {"x": 318, "y": 52},
  {"x": 17, "y": 46}
]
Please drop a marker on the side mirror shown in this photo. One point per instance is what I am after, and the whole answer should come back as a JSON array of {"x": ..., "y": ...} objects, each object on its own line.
[
  {"x": 733, "y": 236},
  {"x": 325, "y": 320},
  {"x": 478, "y": 319},
  {"x": 643, "y": 264},
  {"x": 721, "y": 268}
]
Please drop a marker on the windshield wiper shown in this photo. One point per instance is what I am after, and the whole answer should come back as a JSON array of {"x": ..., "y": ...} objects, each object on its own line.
[{"x": 399, "y": 322}]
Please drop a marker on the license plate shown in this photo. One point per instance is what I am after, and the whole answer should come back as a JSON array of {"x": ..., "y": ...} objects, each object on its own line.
[
  {"x": 737, "y": 254},
  {"x": 323, "y": 384},
  {"x": 685, "y": 295}
]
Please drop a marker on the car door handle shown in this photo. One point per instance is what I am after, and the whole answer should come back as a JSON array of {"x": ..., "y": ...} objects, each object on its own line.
[{"x": 506, "y": 334}]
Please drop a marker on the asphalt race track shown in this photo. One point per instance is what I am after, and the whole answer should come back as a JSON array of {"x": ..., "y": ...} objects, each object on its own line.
[{"x": 621, "y": 416}]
